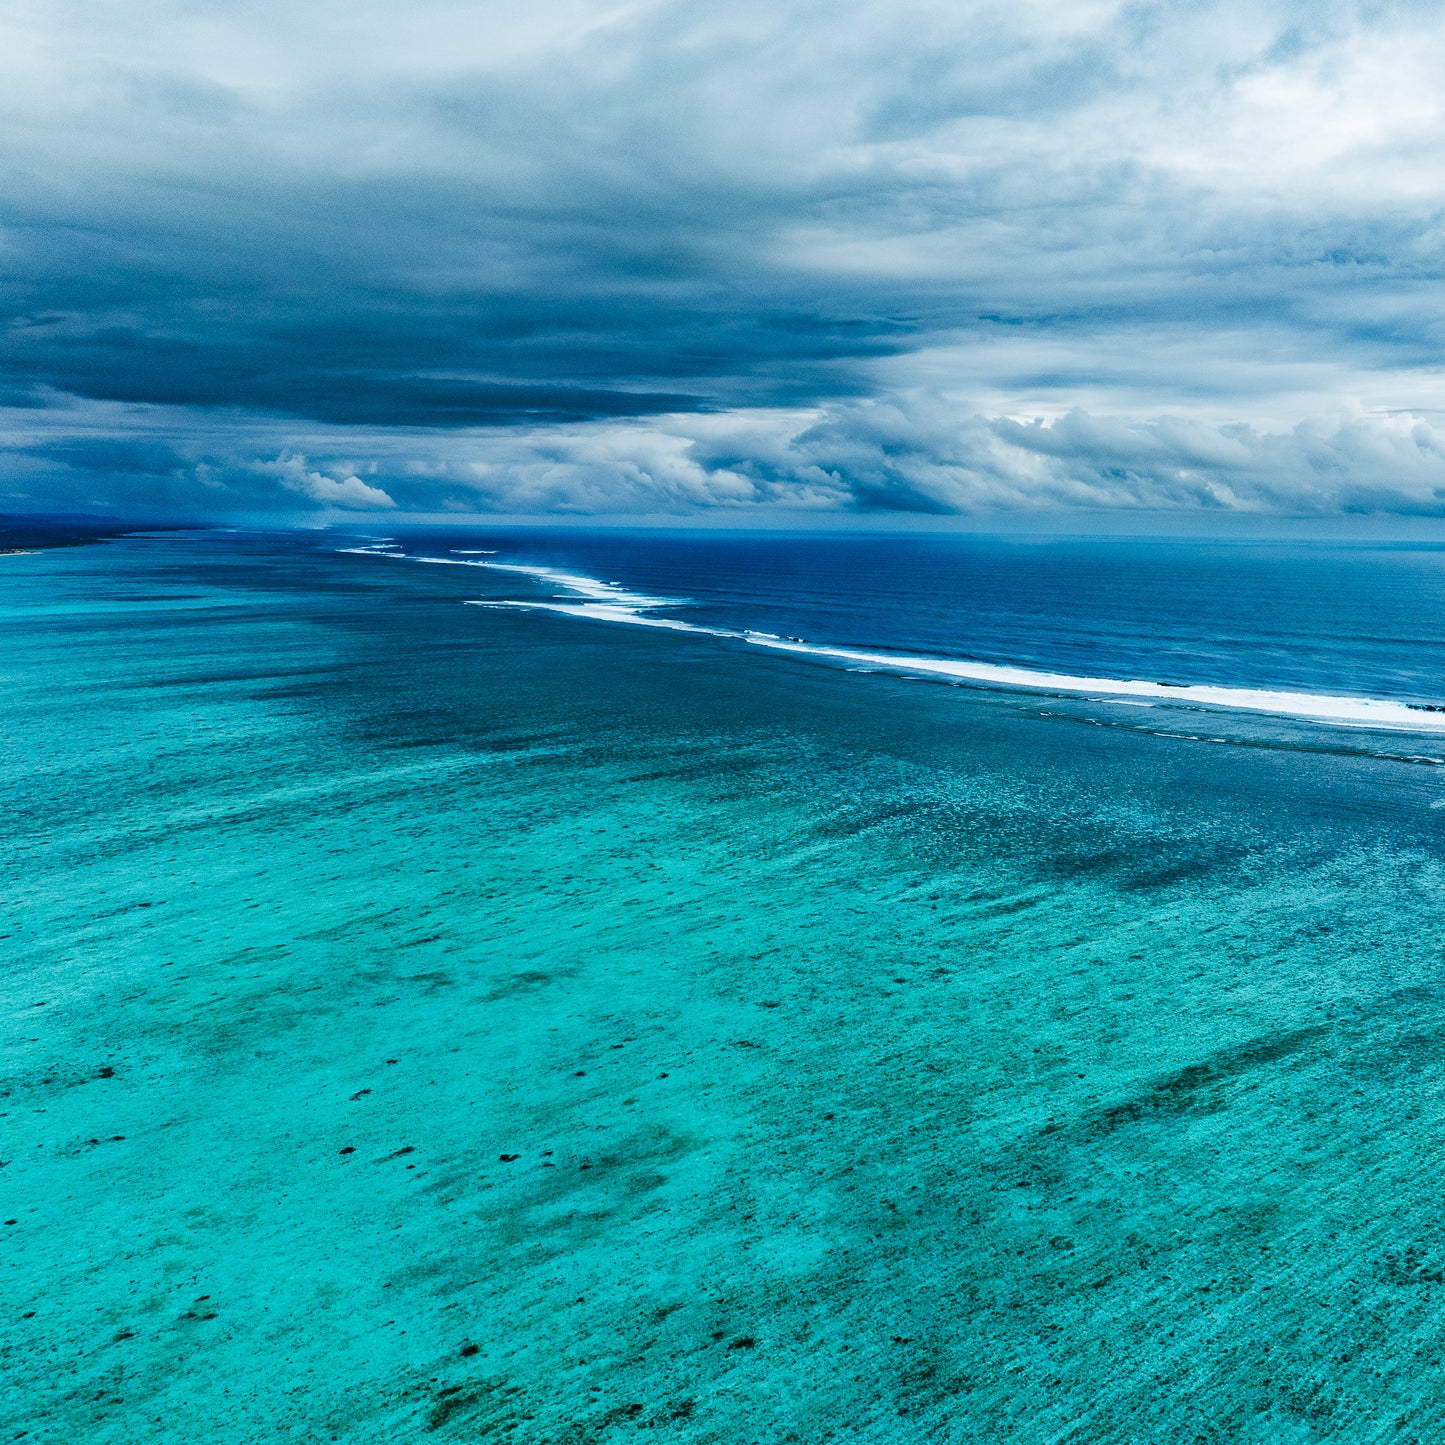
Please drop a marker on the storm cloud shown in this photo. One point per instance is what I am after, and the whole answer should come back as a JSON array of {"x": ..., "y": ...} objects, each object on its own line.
[{"x": 667, "y": 257}]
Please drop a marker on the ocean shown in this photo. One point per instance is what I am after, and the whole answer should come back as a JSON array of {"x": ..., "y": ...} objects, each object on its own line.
[{"x": 551, "y": 986}]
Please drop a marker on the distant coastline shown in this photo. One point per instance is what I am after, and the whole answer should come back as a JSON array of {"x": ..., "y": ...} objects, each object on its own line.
[{"x": 21, "y": 534}]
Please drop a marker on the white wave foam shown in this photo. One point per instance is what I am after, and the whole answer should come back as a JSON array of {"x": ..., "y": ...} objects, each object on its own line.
[
  {"x": 604, "y": 592},
  {"x": 609, "y": 593},
  {"x": 613, "y": 604},
  {"x": 1319, "y": 707},
  {"x": 602, "y": 612}
]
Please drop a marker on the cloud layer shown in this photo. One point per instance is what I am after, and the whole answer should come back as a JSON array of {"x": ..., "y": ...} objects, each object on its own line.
[{"x": 656, "y": 257}]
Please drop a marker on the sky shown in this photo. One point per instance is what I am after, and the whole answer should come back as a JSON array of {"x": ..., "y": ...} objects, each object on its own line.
[{"x": 921, "y": 259}]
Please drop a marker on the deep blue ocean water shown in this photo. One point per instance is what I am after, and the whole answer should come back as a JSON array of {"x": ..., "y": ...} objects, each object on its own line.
[
  {"x": 438, "y": 1021},
  {"x": 1272, "y": 625},
  {"x": 1359, "y": 619}
]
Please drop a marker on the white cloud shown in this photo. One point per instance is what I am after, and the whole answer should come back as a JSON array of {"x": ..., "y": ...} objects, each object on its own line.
[
  {"x": 915, "y": 451},
  {"x": 922, "y": 453},
  {"x": 346, "y": 492}
]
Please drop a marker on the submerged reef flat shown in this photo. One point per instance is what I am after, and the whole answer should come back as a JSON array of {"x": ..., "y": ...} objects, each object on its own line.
[{"x": 431, "y": 1022}]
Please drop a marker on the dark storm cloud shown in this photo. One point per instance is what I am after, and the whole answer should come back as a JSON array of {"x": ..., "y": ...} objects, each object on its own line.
[{"x": 923, "y": 257}]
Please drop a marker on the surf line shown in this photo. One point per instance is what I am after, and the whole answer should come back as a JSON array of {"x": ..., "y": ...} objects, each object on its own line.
[{"x": 608, "y": 602}]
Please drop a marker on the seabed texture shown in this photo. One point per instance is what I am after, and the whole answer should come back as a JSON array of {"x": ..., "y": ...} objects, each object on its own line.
[{"x": 427, "y": 1022}]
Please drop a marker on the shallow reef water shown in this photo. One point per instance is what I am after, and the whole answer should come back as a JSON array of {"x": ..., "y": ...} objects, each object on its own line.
[{"x": 431, "y": 1022}]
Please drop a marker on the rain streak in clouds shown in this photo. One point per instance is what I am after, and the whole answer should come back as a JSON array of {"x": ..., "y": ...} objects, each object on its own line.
[{"x": 674, "y": 258}]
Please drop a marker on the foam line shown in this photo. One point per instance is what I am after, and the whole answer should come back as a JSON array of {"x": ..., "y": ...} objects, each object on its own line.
[
  {"x": 1321, "y": 707},
  {"x": 607, "y": 602},
  {"x": 590, "y": 587}
]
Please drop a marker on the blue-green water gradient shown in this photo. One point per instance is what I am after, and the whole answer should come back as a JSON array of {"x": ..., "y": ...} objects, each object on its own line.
[{"x": 436, "y": 1022}]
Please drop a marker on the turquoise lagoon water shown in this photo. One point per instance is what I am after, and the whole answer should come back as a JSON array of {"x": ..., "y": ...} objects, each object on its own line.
[{"x": 428, "y": 1021}]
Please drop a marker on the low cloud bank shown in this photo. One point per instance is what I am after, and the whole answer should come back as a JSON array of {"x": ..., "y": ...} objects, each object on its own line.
[{"x": 919, "y": 454}]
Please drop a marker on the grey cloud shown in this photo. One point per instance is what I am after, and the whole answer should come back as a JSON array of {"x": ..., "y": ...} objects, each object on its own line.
[
  {"x": 671, "y": 256},
  {"x": 918, "y": 454}
]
